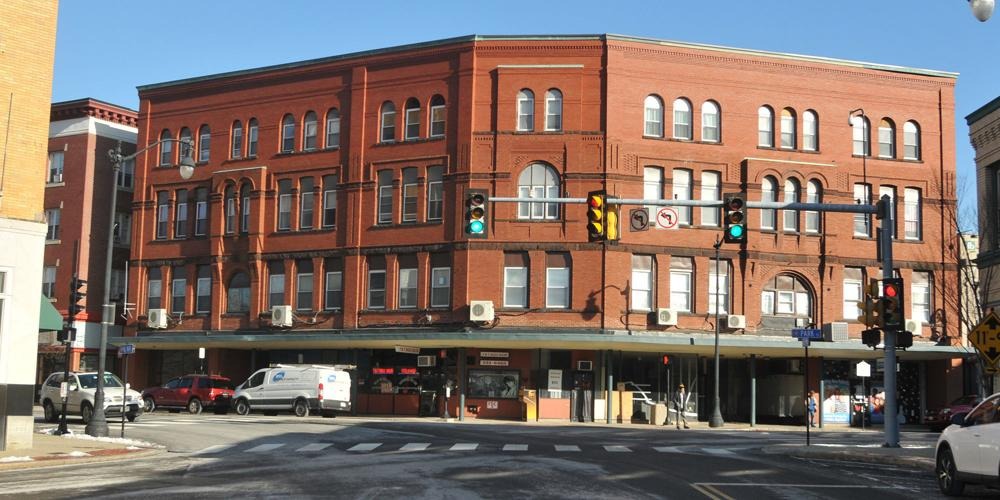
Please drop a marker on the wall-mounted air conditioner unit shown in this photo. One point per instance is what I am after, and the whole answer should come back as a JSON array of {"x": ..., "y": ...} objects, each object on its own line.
[
  {"x": 736, "y": 321},
  {"x": 425, "y": 361},
  {"x": 666, "y": 317},
  {"x": 835, "y": 332},
  {"x": 914, "y": 326},
  {"x": 281, "y": 316},
  {"x": 481, "y": 310},
  {"x": 585, "y": 365},
  {"x": 801, "y": 322},
  {"x": 157, "y": 318}
]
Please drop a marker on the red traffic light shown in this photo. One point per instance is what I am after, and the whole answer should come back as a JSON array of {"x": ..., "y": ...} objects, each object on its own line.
[
  {"x": 890, "y": 291},
  {"x": 736, "y": 204},
  {"x": 477, "y": 199},
  {"x": 595, "y": 201},
  {"x": 666, "y": 360}
]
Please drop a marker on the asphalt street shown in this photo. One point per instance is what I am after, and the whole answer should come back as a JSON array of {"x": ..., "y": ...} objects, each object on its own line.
[{"x": 221, "y": 456}]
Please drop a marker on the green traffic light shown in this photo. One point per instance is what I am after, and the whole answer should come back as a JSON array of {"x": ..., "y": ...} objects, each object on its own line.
[
  {"x": 476, "y": 227},
  {"x": 736, "y": 231}
]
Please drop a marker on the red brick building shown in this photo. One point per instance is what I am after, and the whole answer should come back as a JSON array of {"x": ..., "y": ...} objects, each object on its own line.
[
  {"x": 77, "y": 189},
  {"x": 326, "y": 222}
]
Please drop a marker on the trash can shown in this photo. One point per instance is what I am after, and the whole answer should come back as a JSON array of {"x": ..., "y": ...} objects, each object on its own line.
[{"x": 658, "y": 414}]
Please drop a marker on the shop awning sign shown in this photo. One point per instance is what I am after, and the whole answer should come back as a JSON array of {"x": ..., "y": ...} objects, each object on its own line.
[
  {"x": 407, "y": 350},
  {"x": 985, "y": 337}
]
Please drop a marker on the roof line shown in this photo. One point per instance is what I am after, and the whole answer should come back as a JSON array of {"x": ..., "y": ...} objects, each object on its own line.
[{"x": 984, "y": 110}]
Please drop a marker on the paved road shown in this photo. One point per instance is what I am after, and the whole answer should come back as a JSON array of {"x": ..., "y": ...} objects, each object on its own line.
[{"x": 221, "y": 456}]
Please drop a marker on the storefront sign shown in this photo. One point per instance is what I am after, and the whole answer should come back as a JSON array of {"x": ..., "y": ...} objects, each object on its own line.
[
  {"x": 555, "y": 383},
  {"x": 494, "y": 362},
  {"x": 864, "y": 369},
  {"x": 407, "y": 371},
  {"x": 383, "y": 371},
  {"x": 494, "y": 354},
  {"x": 492, "y": 405},
  {"x": 407, "y": 350}
]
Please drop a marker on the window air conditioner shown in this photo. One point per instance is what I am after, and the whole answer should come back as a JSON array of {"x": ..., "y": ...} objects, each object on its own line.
[
  {"x": 281, "y": 316},
  {"x": 801, "y": 322},
  {"x": 666, "y": 317},
  {"x": 735, "y": 321},
  {"x": 914, "y": 326},
  {"x": 425, "y": 361},
  {"x": 835, "y": 332},
  {"x": 585, "y": 365},
  {"x": 156, "y": 318},
  {"x": 481, "y": 310}
]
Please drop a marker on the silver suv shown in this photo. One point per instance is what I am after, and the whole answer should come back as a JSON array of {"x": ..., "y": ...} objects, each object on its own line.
[{"x": 80, "y": 400}]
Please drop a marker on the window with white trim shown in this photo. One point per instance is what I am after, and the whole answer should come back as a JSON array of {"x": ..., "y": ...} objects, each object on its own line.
[
  {"x": 409, "y": 193},
  {"x": 912, "y": 210},
  {"x": 49, "y": 281},
  {"x": 230, "y": 221},
  {"x": 56, "y": 159},
  {"x": 236, "y": 149},
  {"x": 334, "y": 290},
  {"x": 681, "y": 184},
  {"x": 178, "y": 290},
  {"x": 652, "y": 189},
  {"x": 642, "y": 283},
  {"x": 376, "y": 289},
  {"x": 186, "y": 144},
  {"x": 412, "y": 118},
  {"x": 333, "y": 128},
  {"x": 515, "y": 280},
  {"x": 768, "y": 193},
  {"x": 408, "y": 288},
  {"x": 890, "y": 191},
  {"x": 329, "y": 201},
  {"x": 238, "y": 293},
  {"x": 682, "y": 119},
  {"x": 814, "y": 194},
  {"x": 810, "y": 131},
  {"x": 681, "y": 269},
  {"x": 911, "y": 141},
  {"x": 385, "y": 197},
  {"x": 310, "y": 131},
  {"x": 162, "y": 214},
  {"x": 860, "y": 136},
  {"x": 786, "y": 295},
  {"x": 288, "y": 134},
  {"x": 275, "y": 283},
  {"x": 438, "y": 117},
  {"x": 252, "y": 131},
  {"x": 307, "y": 202},
  {"x": 710, "y": 122},
  {"x": 245, "y": 208},
  {"x": 204, "y": 143},
  {"x": 765, "y": 127},
  {"x": 886, "y": 139},
  {"x": 711, "y": 189},
  {"x": 538, "y": 181},
  {"x": 788, "y": 128},
  {"x": 718, "y": 286},
  {"x": 388, "y": 122},
  {"x": 525, "y": 111},
  {"x": 652, "y": 117},
  {"x": 553, "y": 110},
  {"x": 180, "y": 218},
  {"x": 557, "y": 280},
  {"x": 862, "y": 222},
  {"x": 440, "y": 286},
  {"x": 154, "y": 288},
  {"x": 853, "y": 292},
  {"x": 790, "y": 218},
  {"x": 203, "y": 299},
  {"x": 303, "y": 285},
  {"x": 920, "y": 297},
  {"x": 435, "y": 193},
  {"x": 166, "y": 148},
  {"x": 284, "y": 205},
  {"x": 201, "y": 211}
]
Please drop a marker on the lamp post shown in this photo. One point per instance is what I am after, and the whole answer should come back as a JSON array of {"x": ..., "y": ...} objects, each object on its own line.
[
  {"x": 715, "y": 420},
  {"x": 98, "y": 425},
  {"x": 982, "y": 9}
]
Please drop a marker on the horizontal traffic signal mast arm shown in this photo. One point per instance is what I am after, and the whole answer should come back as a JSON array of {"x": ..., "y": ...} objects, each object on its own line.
[{"x": 809, "y": 207}]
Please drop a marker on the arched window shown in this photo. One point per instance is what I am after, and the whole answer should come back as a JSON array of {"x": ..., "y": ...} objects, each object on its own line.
[
  {"x": 186, "y": 144},
  {"x": 786, "y": 295},
  {"x": 810, "y": 131},
  {"x": 252, "y": 129},
  {"x": 653, "y": 117},
  {"x": 388, "y": 122},
  {"x": 859, "y": 134},
  {"x": 166, "y": 148},
  {"x": 238, "y": 293},
  {"x": 788, "y": 128},
  {"x": 682, "y": 119},
  {"x": 710, "y": 122},
  {"x": 236, "y": 151},
  {"x": 790, "y": 218},
  {"x": 437, "y": 117},
  {"x": 765, "y": 127},
  {"x": 538, "y": 180},
  {"x": 553, "y": 110},
  {"x": 230, "y": 197},
  {"x": 288, "y": 134},
  {"x": 911, "y": 141},
  {"x": 525, "y": 111},
  {"x": 886, "y": 139},
  {"x": 412, "y": 117},
  {"x": 814, "y": 194},
  {"x": 204, "y": 143},
  {"x": 310, "y": 129},
  {"x": 333, "y": 128},
  {"x": 768, "y": 193}
]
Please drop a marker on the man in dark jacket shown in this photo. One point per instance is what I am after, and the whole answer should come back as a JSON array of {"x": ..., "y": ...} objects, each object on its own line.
[{"x": 680, "y": 402}]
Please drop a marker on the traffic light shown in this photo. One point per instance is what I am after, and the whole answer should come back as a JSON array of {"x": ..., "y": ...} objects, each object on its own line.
[
  {"x": 867, "y": 316},
  {"x": 736, "y": 225},
  {"x": 872, "y": 337},
  {"x": 75, "y": 296},
  {"x": 904, "y": 340},
  {"x": 67, "y": 334},
  {"x": 892, "y": 305},
  {"x": 597, "y": 219},
  {"x": 475, "y": 203}
]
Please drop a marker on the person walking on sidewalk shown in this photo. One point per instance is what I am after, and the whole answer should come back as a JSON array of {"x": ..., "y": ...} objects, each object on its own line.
[
  {"x": 680, "y": 402},
  {"x": 811, "y": 406}
]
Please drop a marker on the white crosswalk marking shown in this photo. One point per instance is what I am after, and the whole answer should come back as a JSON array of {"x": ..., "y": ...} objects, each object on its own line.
[
  {"x": 265, "y": 447},
  {"x": 213, "y": 449},
  {"x": 364, "y": 447},
  {"x": 515, "y": 447},
  {"x": 567, "y": 447},
  {"x": 465, "y": 447},
  {"x": 415, "y": 447},
  {"x": 717, "y": 451},
  {"x": 617, "y": 448},
  {"x": 667, "y": 449},
  {"x": 315, "y": 447}
]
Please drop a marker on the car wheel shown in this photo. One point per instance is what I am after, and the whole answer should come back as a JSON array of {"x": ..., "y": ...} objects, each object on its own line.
[
  {"x": 149, "y": 406},
  {"x": 301, "y": 408},
  {"x": 242, "y": 407},
  {"x": 194, "y": 406},
  {"x": 86, "y": 412},
  {"x": 947, "y": 482},
  {"x": 131, "y": 416},
  {"x": 50, "y": 412}
]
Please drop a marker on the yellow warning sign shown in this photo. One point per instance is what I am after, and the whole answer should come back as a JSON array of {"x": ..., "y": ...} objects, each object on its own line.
[{"x": 985, "y": 337}]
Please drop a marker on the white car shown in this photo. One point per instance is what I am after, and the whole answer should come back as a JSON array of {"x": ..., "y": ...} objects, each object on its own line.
[
  {"x": 80, "y": 397},
  {"x": 968, "y": 451}
]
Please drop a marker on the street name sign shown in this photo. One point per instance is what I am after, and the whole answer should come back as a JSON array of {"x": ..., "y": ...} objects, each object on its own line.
[
  {"x": 807, "y": 333},
  {"x": 985, "y": 337},
  {"x": 127, "y": 349}
]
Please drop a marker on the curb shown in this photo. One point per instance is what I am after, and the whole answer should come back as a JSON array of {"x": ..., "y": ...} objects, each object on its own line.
[
  {"x": 97, "y": 456},
  {"x": 854, "y": 455}
]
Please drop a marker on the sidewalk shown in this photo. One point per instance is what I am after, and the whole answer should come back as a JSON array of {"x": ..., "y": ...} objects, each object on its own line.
[
  {"x": 48, "y": 450},
  {"x": 921, "y": 458}
]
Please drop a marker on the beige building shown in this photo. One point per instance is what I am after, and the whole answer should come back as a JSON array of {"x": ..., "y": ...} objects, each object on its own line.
[{"x": 28, "y": 32}]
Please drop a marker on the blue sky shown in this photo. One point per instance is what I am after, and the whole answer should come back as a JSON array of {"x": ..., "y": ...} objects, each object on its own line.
[{"x": 105, "y": 48}]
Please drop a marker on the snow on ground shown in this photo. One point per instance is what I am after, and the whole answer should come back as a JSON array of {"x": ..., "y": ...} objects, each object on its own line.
[
  {"x": 15, "y": 459},
  {"x": 130, "y": 443},
  {"x": 76, "y": 454}
]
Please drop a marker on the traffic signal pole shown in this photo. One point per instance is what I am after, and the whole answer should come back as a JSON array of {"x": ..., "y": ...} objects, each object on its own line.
[{"x": 891, "y": 407}]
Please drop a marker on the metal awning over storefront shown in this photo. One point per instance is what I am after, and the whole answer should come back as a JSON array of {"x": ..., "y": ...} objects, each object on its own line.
[
  {"x": 49, "y": 319},
  {"x": 730, "y": 345}
]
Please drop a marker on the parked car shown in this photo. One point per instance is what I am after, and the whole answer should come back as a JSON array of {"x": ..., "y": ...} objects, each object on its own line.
[
  {"x": 296, "y": 388},
  {"x": 968, "y": 451},
  {"x": 80, "y": 392},
  {"x": 191, "y": 392},
  {"x": 939, "y": 418}
]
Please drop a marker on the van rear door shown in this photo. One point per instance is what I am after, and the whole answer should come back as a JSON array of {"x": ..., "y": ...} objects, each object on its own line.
[{"x": 336, "y": 386}]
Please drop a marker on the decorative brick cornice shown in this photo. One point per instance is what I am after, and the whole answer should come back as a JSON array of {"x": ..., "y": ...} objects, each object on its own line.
[{"x": 93, "y": 108}]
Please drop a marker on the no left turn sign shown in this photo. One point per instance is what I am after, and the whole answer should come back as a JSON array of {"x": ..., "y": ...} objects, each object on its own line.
[{"x": 666, "y": 218}]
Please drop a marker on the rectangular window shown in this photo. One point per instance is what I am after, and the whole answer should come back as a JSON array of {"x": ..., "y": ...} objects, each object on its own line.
[
  {"x": 809, "y": 142},
  {"x": 435, "y": 194},
  {"x": 288, "y": 136},
  {"x": 412, "y": 123},
  {"x": 890, "y": 191},
  {"x": 862, "y": 222},
  {"x": 230, "y": 211},
  {"x": 237, "y": 151},
  {"x": 56, "y": 166},
  {"x": 52, "y": 217},
  {"x": 201, "y": 212},
  {"x": 329, "y": 201},
  {"x": 306, "y": 197},
  {"x": 309, "y": 131},
  {"x": 437, "y": 121},
  {"x": 886, "y": 142},
  {"x": 652, "y": 189},
  {"x": 49, "y": 281},
  {"x": 284, "y": 205},
  {"x": 304, "y": 285},
  {"x": 920, "y": 301},
  {"x": 154, "y": 288},
  {"x": 126, "y": 176},
  {"x": 376, "y": 289},
  {"x": 812, "y": 217},
  {"x": 178, "y": 287},
  {"x": 162, "y": 215},
  {"x": 334, "y": 290},
  {"x": 680, "y": 283},
  {"x": 333, "y": 129},
  {"x": 123, "y": 229},
  {"x": 682, "y": 191},
  {"x": 252, "y": 140},
  {"x": 682, "y": 122},
  {"x": 911, "y": 214},
  {"x": 245, "y": 212},
  {"x": 388, "y": 125},
  {"x": 275, "y": 283},
  {"x": 119, "y": 281},
  {"x": 204, "y": 145},
  {"x": 407, "y": 288},
  {"x": 180, "y": 213},
  {"x": 409, "y": 194},
  {"x": 642, "y": 283},
  {"x": 710, "y": 190},
  {"x": 440, "y": 286},
  {"x": 653, "y": 123},
  {"x": 787, "y": 131},
  {"x": 853, "y": 286},
  {"x": 718, "y": 286},
  {"x": 515, "y": 280},
  {"x": 553, "y": 113},
  {"x": 911, "y": 146},
  {"x": 525, "y": 115},
  {"x": 385, "y": 197},
  {"x": 557, "y": 280},
  {"x": 203, "y": 304}
]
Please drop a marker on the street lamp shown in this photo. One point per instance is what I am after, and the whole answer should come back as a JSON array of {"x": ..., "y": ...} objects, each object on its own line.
[
  {"x": 715, "y": 420},
  {"x": 98, "y": 425},
  {"x": 982, "y": 9}
]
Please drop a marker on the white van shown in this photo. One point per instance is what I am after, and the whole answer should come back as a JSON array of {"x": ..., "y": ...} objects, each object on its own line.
[{"x": 296, "y": 388}]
